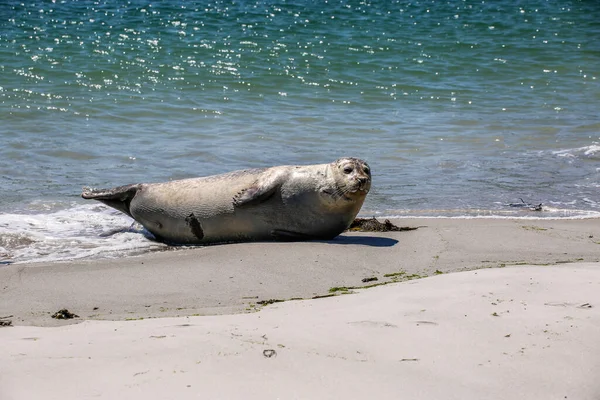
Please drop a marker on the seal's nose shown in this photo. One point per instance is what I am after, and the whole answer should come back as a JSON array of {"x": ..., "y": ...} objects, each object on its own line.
[{"x": 362, "y": 180}]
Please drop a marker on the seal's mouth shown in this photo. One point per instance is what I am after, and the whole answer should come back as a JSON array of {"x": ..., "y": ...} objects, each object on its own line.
[
  {"x": 361, "y": 185},
  {"x": 358, "y": 190}
]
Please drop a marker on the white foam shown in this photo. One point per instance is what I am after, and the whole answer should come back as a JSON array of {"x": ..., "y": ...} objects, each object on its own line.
[
  {"x": 72, "y": 233},
  {"x": 522, "y": 217},
  {"x": 548, "y": 212},
  {"x": 588, "y": 151}
]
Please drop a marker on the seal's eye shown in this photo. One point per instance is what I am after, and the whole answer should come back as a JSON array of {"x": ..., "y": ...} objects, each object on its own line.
[
  {"x": 347, "y": 170},
  {"x": 367, "y": 170}
]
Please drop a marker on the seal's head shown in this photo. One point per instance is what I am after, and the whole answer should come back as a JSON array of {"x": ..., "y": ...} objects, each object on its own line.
[{"x": 353, "y": 177}]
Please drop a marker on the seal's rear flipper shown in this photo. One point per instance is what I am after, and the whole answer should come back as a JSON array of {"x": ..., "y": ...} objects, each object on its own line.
[{"x": 118, "y": 198}]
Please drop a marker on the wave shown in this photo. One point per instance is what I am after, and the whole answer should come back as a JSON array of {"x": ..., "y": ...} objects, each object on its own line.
[
  {"x": 76, "y": 232},
  {"x": 591, "y": 151}
]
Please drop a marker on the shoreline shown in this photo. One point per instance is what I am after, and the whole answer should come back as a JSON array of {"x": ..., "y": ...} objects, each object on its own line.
[
  {"x": 82, "y": 234},
  {"x": 235, "y": 278}
]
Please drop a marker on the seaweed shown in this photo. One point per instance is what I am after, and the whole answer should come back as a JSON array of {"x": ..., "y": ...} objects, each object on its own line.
[
  {"x": 373, "y": 225},
  {"x": 64, "y": 314}
]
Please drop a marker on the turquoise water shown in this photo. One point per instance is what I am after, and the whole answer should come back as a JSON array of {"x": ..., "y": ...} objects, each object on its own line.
[{"x": 459, "y": 107}]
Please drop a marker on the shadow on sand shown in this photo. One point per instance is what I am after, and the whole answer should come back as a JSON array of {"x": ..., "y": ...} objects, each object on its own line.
[{"x": 373, "y": 241}]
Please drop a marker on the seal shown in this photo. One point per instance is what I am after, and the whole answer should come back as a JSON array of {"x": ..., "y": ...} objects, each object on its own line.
[{"x": 279, "y": 203}]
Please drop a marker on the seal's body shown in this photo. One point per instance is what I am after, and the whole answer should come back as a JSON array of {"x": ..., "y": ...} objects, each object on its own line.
[{"x": 285, "y": 203}]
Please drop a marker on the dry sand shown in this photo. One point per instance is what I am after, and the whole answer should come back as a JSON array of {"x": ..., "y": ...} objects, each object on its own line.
[{"x": 523, "y": 331}]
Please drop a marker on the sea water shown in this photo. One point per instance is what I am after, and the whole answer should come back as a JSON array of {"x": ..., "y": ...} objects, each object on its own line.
[{"x": 460, "y": 107}]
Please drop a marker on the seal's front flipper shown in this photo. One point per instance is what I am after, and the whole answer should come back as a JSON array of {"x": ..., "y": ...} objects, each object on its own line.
[
  {"x": 118, "y": 198},
  {"x": 260, "y": 191}
]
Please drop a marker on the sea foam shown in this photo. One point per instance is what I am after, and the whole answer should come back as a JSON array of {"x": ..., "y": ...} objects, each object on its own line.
[{"x": 80, "y": 231}]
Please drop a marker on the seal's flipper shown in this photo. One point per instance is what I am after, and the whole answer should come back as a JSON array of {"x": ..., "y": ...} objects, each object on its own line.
[
  {"x": 253, "y": 195},
  {"x": 118, "y": 198},
  {"x": 260, "y": 191}
]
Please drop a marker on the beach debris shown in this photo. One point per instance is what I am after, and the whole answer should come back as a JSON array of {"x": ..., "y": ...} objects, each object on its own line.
[
  {"x": 268, "y": 353},
  {"x": 523, "y": 204},
  {"x": 373, "y": 225},
  {"x": 64, "y": 314},
  {"x": 5, "y": 321},
  {"x": 426, "y": 323},
  {"x": 371, "y": 279},
  {"x": 323, "y": 296},
  {"x": 267, "y": 302}
]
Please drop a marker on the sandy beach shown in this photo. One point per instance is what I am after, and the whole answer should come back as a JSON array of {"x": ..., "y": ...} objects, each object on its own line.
[{"x": 475, "y": 308}]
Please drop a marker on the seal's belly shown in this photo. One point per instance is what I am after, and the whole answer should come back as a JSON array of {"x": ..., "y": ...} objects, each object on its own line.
[
  {"x": 196, "y": 230},
  {"x": 239, "y": 226}
]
